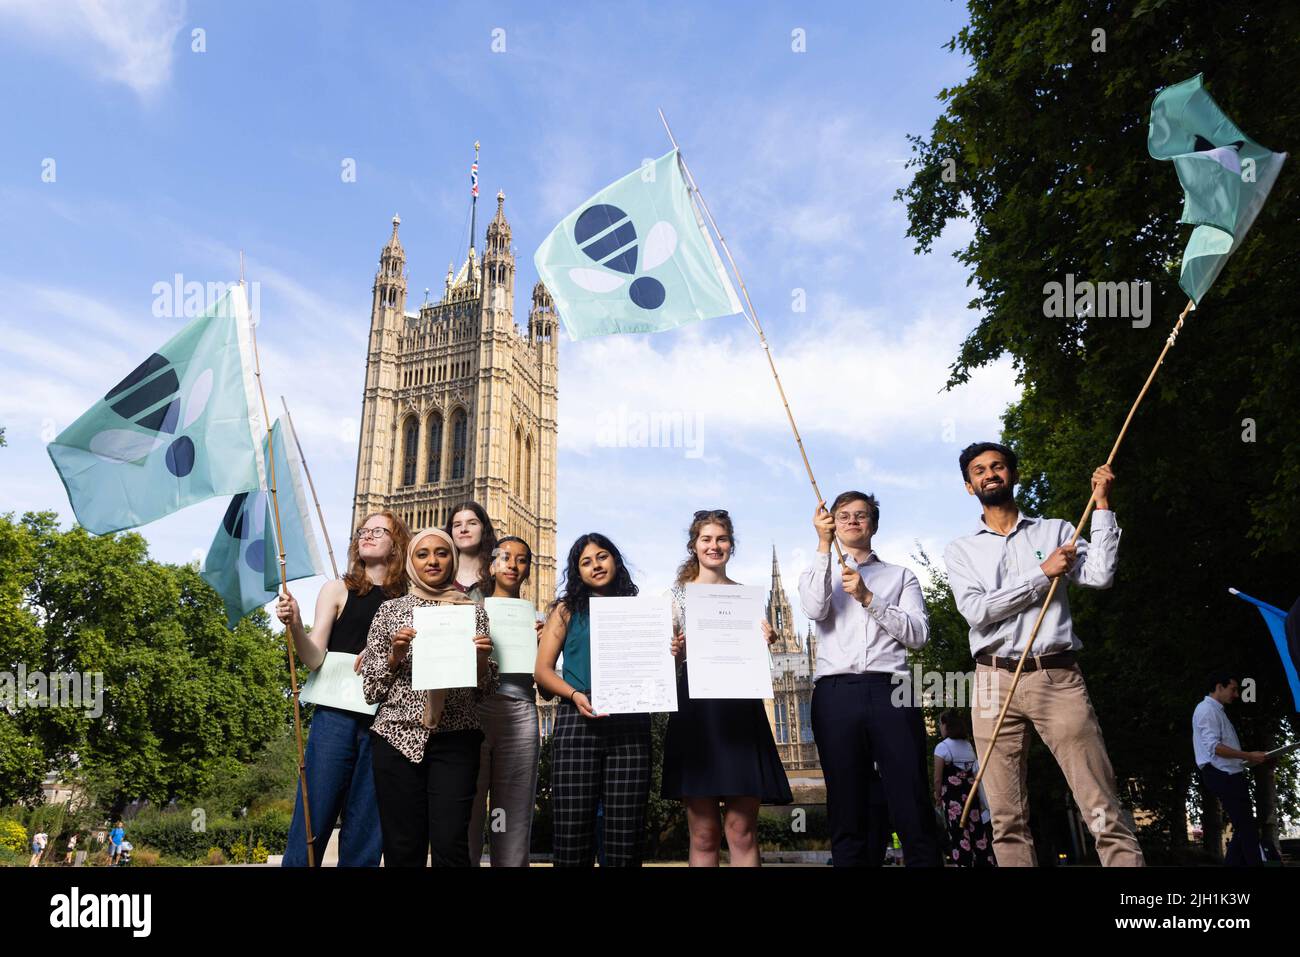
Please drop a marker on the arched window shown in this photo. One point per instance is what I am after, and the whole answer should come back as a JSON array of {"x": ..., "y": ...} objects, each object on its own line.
[
  {"x": 410, "y": 449},
  {"x": 528, "y": 473},
  {"x": 519, "y": 451},
  {"x": 433, "y": 473},
  {"x": 459, "y": 434}
]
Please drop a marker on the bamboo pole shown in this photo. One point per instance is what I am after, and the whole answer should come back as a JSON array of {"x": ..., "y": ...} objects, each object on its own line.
[
  {"x": 312, "y": 485},
  {"x": 1051, "y": 592},
  {"x": 752, "y": 316},
  {"x": 288, "y": 636}
]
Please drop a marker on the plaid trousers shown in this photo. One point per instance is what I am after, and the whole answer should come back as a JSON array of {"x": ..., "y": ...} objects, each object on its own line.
[{"x": 606, "y": 759}]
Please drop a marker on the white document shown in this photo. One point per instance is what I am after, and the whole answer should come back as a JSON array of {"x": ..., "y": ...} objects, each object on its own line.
[
  {"x": 726, "y": 653},
  {"x": 336, "y": 684},
  {"x": 632, "y": 670},
  {"x": 442, "y": 652},
  {"x": 514, "y": 634}
]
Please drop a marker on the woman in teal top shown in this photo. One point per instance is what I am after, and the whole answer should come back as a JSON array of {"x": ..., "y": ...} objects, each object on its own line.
[{"x": 594, "y": 756}]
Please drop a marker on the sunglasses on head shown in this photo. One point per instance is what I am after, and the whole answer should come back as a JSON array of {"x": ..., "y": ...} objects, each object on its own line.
[{"x": 720, "y": 512}]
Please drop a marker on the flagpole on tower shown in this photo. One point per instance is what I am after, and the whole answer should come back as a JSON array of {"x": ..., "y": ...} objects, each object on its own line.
[
  {"x": 473, "y": 203},
  {"x": 279, "y": 540},
  {"x": 752, "y": 318}
]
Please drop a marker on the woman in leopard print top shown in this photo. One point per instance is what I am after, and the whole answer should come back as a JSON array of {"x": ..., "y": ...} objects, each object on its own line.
[{"x": 425, "y": 744}]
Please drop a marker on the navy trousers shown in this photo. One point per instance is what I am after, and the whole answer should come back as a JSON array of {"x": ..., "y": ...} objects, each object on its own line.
[
  {"x": 855, "y": 723},
  {"x": 1230, "y": 789}
]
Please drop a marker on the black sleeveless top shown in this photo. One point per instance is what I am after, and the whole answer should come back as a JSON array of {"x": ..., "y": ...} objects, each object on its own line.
[{"x": 352, "y": 628}]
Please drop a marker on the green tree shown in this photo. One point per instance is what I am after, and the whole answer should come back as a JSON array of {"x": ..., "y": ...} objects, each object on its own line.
[
  {"x": 1048, "y": 141},
  {"x": 183, "y": 695}
]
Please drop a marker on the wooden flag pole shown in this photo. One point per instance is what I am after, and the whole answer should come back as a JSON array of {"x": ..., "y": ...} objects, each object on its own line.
[
  {"x": 752, "y": 316},
  {"x": 288, "y": 636},
  {"x": 312, "y": 485},
  {"x": 1051, "y": 592}
]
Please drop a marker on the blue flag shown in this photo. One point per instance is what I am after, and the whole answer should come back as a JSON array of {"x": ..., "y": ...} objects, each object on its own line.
[
  {"x": 181, "y": 428},
  {"x": 243, "y": 562},
  {"x": 1283, "y": 629},
  {"x": 635, "y": 258}
]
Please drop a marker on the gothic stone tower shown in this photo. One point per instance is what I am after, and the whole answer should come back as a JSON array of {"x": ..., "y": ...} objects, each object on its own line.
[
  {"x": 459, "y": 404},
  {"x": 790, "y": 711}
]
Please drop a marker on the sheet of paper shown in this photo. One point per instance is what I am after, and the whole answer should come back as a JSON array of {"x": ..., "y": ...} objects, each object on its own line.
[
  {"x": 1285, "y": 749},
  {"x": 514, "y": 634},
  {"x": 336, "y": 684},
  {"x": 632, "y": 669},
  {"x": 442, "y": 651},
  {"x": 726, "y": 654}
]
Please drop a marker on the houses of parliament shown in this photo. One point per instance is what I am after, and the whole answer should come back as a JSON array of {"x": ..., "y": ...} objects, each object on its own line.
[{"x": 460, "y": 405}]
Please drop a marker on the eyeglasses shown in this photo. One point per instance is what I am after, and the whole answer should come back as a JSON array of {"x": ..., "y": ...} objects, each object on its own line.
[
  {"x": 847, "y": 516},
  {"x": 720, "y": 512},
  {"x": 365, "y": 534}
]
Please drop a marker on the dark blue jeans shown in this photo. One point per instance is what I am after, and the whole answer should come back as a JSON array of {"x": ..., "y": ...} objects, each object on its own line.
[{"x": 339, "y": 779}]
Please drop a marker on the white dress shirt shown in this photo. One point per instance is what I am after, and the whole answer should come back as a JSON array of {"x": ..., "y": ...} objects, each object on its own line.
[
  {"x": 852, "y": 639},
  {"x": 1210, "y": 726},
  {"x": 999, "y": 586}
]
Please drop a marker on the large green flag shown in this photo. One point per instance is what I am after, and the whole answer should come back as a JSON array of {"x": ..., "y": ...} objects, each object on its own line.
[
  {"x": 243, "y": 561},
  {"x": 1226, "y": 177},
  {"x": 635, "y": 258},
  {"x": 181, "y": 428}
]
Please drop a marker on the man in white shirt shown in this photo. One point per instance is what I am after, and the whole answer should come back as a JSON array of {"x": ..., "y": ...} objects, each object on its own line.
[
  {"x": 1000, "y": 574},
  {"x": 867, "y": 615},
  {"x": 1221, "y": 764}
]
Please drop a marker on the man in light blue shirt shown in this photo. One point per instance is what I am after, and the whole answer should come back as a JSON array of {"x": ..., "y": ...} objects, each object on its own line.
[
  {"x": 1221, "y": 764},
  {"x": 1000, "y": 575}
]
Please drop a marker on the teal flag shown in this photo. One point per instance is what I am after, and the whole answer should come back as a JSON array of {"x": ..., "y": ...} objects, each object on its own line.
[
  {"x": 1287, "y": 645},
  {"x": 243, "y": 562},
  {"x": 635, "y": 258},
  {"x": 1226, "y": 176},
  {"x": 181, "y": 428}
]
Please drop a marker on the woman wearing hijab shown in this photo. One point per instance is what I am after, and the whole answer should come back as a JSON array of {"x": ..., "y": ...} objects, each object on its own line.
[{"x": 424, "y": 744}]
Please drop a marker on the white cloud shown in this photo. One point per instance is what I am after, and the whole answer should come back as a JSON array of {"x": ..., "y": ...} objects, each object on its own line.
[
  {"x": 866, "y": 377},
  {"x": 128, "y": 41}
]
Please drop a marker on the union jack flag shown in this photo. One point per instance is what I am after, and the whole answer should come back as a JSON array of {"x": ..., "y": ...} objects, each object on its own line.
[{"x": 473, "y": 179}]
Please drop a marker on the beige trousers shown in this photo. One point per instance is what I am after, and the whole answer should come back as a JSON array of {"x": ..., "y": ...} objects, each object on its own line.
[{"x": 1055, "y": 702}]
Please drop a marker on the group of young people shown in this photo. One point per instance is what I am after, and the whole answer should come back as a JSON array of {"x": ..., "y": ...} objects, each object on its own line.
[{"x": 419, "y": 780}]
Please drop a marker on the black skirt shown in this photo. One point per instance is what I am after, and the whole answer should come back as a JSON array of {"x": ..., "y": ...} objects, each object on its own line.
[{"x": 721, "y": 747}]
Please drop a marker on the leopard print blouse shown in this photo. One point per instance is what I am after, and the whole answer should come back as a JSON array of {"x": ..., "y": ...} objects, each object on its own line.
[{"x": 401, "y": 708}]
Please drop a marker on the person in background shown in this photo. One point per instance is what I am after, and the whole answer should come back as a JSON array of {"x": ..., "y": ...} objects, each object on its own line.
[
  {"x": 475, "y": 539},
  {"x": 507, "y": 769},
  {"x": 39, "y": 841},
  {"x": 115, "y": 839},
  {"x": 340, "y": 779},
  {"x": 72, "y": 849},
  {"x": 955, "y": 767},
  {"x": 1221, "y": 764}
]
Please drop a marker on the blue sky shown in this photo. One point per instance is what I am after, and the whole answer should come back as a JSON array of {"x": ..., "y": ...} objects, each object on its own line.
[{"x": 169, "y": 161}]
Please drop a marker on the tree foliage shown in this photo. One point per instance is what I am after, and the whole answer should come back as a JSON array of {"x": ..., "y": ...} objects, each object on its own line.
[{"x": 183, "y": 695}]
